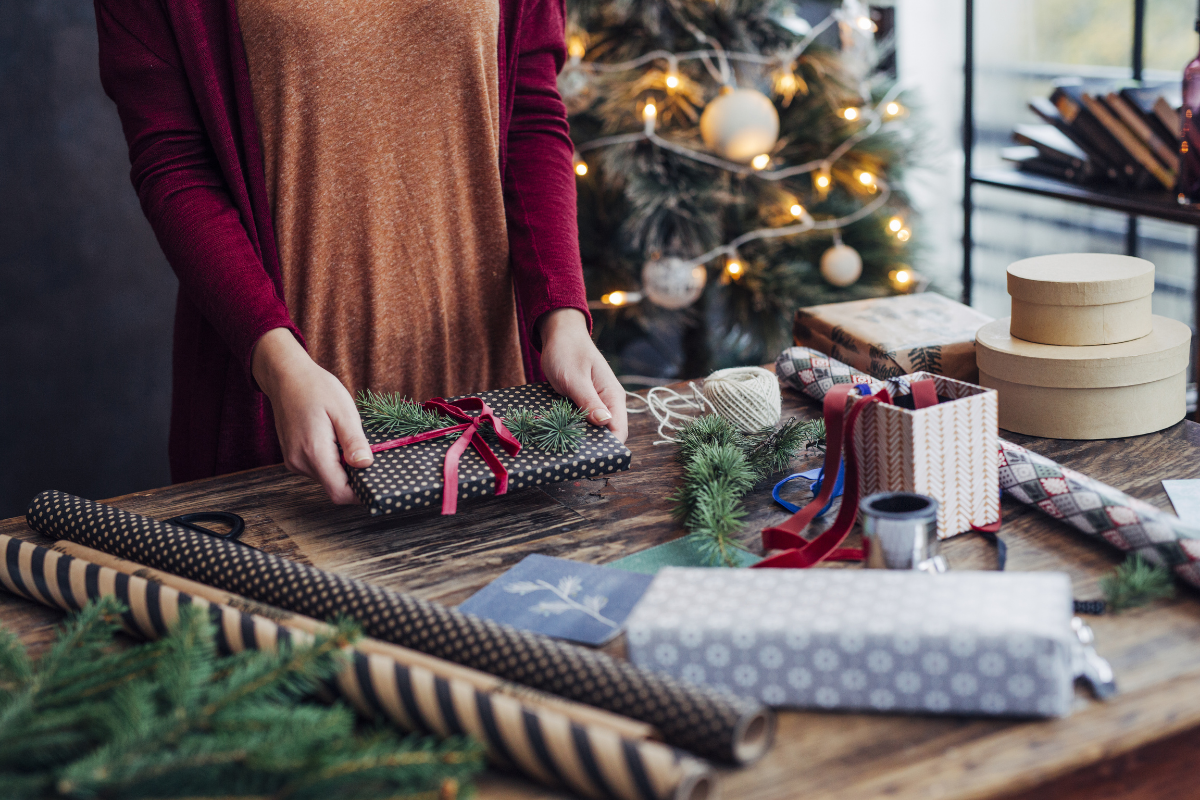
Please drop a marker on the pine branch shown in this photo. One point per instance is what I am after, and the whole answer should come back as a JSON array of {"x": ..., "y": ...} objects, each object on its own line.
[
  {"x": 1135, "y": 583},
  {"x": 173, "y": 719},
  {"x": 557, "y": 429},
  {"x": 395, "y": 415}
]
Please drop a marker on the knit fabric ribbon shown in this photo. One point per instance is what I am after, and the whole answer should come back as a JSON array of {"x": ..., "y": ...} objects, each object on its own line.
[
  {"x": 1064, "y": 494},
  {"x": 469, "y": 426}
]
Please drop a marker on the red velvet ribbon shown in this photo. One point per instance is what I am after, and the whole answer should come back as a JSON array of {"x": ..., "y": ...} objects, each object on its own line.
[
  {"x": 469, "y": 426},
  {"x": 799, "y": 552}
]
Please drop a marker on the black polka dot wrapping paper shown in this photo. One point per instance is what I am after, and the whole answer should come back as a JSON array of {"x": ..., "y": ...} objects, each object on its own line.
[
  {"x": 410, "y": 477},
  {"x": 706, "y": 721}
]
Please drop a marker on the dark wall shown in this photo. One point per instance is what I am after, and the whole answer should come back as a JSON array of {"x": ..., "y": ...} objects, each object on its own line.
[{"x": 86, "y": 297}]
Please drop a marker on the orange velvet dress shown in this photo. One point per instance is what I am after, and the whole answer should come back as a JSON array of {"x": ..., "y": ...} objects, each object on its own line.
[{"x": 380, "y": 126}]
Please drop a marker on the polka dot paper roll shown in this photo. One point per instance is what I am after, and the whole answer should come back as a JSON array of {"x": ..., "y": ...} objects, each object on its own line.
[
  {"x": 707, "y": 722},
  {"x": 410, "y": 477}
]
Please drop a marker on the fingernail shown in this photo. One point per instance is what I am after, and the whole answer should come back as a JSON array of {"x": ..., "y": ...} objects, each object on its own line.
[
  {"x": 359, "y": 456},
  {"x": 601, "y": 415}
]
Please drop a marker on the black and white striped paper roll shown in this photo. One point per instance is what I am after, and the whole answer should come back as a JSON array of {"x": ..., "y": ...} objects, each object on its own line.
[
  {"x": 544, "y": 745},
  {"x": 701, "y": 719}
]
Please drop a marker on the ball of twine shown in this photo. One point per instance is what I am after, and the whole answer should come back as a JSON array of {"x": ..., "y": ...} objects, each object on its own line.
[{"x": 746, "y": 396}]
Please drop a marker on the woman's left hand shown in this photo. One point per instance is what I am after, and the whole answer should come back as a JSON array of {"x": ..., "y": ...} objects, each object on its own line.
[{"x": 576, "y": 369}]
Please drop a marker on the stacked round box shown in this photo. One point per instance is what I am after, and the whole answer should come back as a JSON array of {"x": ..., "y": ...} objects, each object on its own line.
[{"x": 1082, "y": 356}]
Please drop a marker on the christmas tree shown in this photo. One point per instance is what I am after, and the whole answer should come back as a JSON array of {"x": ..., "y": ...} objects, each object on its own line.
[{"x": 731, "y": 169}]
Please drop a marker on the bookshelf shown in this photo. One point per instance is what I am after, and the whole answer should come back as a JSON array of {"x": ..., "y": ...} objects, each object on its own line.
[{"x": 1155, "y": 205}]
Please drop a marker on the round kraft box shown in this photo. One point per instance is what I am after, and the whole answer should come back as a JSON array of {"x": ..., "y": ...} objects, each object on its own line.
[
  {"x": 1081, "y": 298},
  {"x": 1101, "y": 392}
]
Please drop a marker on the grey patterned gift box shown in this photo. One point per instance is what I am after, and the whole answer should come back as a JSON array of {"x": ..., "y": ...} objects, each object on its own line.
[
  {"x": 994, "y": 643},
  {"x": 410, "y": 477}
]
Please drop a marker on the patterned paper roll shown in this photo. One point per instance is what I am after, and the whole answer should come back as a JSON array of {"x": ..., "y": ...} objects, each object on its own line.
[
  {"x": 697, "y": 718},
  {"x": 576, "y": 712},
  {"x": 542, "y": 744},
  {"x": 1066, "y": 495}
]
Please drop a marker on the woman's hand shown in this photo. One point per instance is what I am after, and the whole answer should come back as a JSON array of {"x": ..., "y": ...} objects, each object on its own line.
[
  {"x": 576, "y": 369},
  {"x": 313, "y": 414}
]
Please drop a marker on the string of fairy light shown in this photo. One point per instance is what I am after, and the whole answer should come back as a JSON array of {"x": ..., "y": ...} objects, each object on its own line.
[{"x": 762, "y": 166}]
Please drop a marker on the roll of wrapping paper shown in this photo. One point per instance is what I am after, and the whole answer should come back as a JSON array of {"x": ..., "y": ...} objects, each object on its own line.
[
  {"x": 541, "y": 743},
  {"x": 1084, "y": 503},
  {"x": 576, "y": 712},
  {"x": 701, "y": 719}
]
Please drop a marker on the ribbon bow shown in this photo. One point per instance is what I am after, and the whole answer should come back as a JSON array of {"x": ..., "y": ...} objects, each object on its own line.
[{"x": 470, "y": 425}]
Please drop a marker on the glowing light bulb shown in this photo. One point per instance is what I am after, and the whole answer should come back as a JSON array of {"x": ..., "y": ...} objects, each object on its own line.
[
  {"x": 734, "y": 268},
  {"x": 892, "y": 108},
  {"x": 904, "y": 235},
  {"x": 866, "y": 178},
  {"x": 850, "y": 113},
  {"x": 797, "y": 209},
  {"x": 581, "y": 169},
  {"x": 649, "y": 111},
  {"x": 761, "y": 161},
  {"x": 823, "y": 181},
  {"x": 865, "y": 24},
  {"x": 575, "y": 47},
  {"x": 902, "y": 276},
  {"x": 614, "y": 299},
  {"x": 895, "y": 224},
  {"x": 672, "y": 81},
  {"x": 787, "y": 82}
]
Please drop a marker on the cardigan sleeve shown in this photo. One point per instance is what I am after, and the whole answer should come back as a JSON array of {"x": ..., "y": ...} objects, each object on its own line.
[
  {"x": 179, "y": 180},
  {"x": 539, "y": 178}
]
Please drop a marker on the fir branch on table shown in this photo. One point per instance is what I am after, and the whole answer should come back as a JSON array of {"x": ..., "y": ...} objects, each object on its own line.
[
  {"x": 558, "y": 429},
  {"x": 172, "y": 718},
  {"x": 720, "y": 465},
  {"x": 395, "y": 415},
  {"x": 1135, "y": 583}
]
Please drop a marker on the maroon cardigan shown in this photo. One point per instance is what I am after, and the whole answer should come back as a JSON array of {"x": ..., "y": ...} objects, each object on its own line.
[{"x": 177, "y": 71}]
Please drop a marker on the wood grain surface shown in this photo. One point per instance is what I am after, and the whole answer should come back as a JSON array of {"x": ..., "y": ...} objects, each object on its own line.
[{"x": 1155, "y": 651}]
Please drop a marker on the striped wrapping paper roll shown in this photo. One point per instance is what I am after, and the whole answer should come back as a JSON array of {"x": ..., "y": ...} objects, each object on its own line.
[
  {"x": 703, "y": 720},
  {"x": 543, "y": 744},
  {"x": 1085, "y": 504}
]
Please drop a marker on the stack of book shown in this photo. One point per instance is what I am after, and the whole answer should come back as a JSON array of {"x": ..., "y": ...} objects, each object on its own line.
[{"x": 1123, "y": 135}]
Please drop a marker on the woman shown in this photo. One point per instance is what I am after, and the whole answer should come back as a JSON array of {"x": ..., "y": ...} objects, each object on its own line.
[{"x": 354, "y": 194}]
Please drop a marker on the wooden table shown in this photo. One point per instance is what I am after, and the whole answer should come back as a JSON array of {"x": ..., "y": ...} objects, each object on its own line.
[{"x": 1132, "y": 746}]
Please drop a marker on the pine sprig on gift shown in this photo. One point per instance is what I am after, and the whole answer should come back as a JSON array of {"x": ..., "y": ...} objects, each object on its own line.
[
  {"x": 720, "y": 465},
  {"x": 558, "y": 429},
  {"x": 172, "y": 718},
  {"x": 395, "y": 415},
  {"x": 1135, "y": 583}
]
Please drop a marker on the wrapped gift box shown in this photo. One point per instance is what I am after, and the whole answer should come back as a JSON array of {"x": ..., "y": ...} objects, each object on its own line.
[
  {"x": 890, "y": 336},
  {"x": 994, "y": 643},
  {"x": 410, "y": 477}
]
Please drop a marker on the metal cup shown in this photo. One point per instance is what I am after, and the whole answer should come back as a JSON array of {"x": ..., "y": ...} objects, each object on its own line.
[{"x": 900, "y": 531}]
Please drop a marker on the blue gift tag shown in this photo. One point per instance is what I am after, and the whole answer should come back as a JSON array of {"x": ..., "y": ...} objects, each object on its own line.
[{"x": 570, "y": 600}]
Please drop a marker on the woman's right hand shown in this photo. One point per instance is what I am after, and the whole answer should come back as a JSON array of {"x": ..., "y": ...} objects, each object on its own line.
[{"x": 314, "y": 414}]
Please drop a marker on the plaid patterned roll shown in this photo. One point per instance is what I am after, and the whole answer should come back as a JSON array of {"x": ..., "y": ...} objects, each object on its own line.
[
  {"x": 1066, "y": 495},
  {"x": 703, "y": 720},
  {"x": 540, "y": 743}
]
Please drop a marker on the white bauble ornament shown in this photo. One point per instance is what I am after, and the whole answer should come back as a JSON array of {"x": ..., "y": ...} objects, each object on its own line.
[
  {"x": 672, "y": 282},
  {"x": 841, "y": 265},
  {"x": 740, "y": 125}
]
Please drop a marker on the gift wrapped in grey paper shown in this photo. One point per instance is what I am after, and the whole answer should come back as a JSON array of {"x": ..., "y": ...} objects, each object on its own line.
[{"x": 995, "y": 643}]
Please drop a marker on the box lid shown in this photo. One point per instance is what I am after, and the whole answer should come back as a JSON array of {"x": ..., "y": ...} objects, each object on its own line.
[
  {"x": 1159, "y": 355},
  {"x": 1080, "y": 279}
]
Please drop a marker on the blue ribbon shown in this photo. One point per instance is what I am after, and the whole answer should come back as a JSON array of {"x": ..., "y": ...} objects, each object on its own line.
[{"x": 815, "y": 475}]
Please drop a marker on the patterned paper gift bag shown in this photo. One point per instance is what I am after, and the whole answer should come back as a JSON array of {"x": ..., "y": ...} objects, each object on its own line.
[{"x": 948, "y": 451}]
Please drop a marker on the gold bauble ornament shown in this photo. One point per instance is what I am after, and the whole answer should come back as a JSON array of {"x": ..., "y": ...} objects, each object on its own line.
[
  {"x": 740, "y": 124},
  {"x": 841, "y": 265}
]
